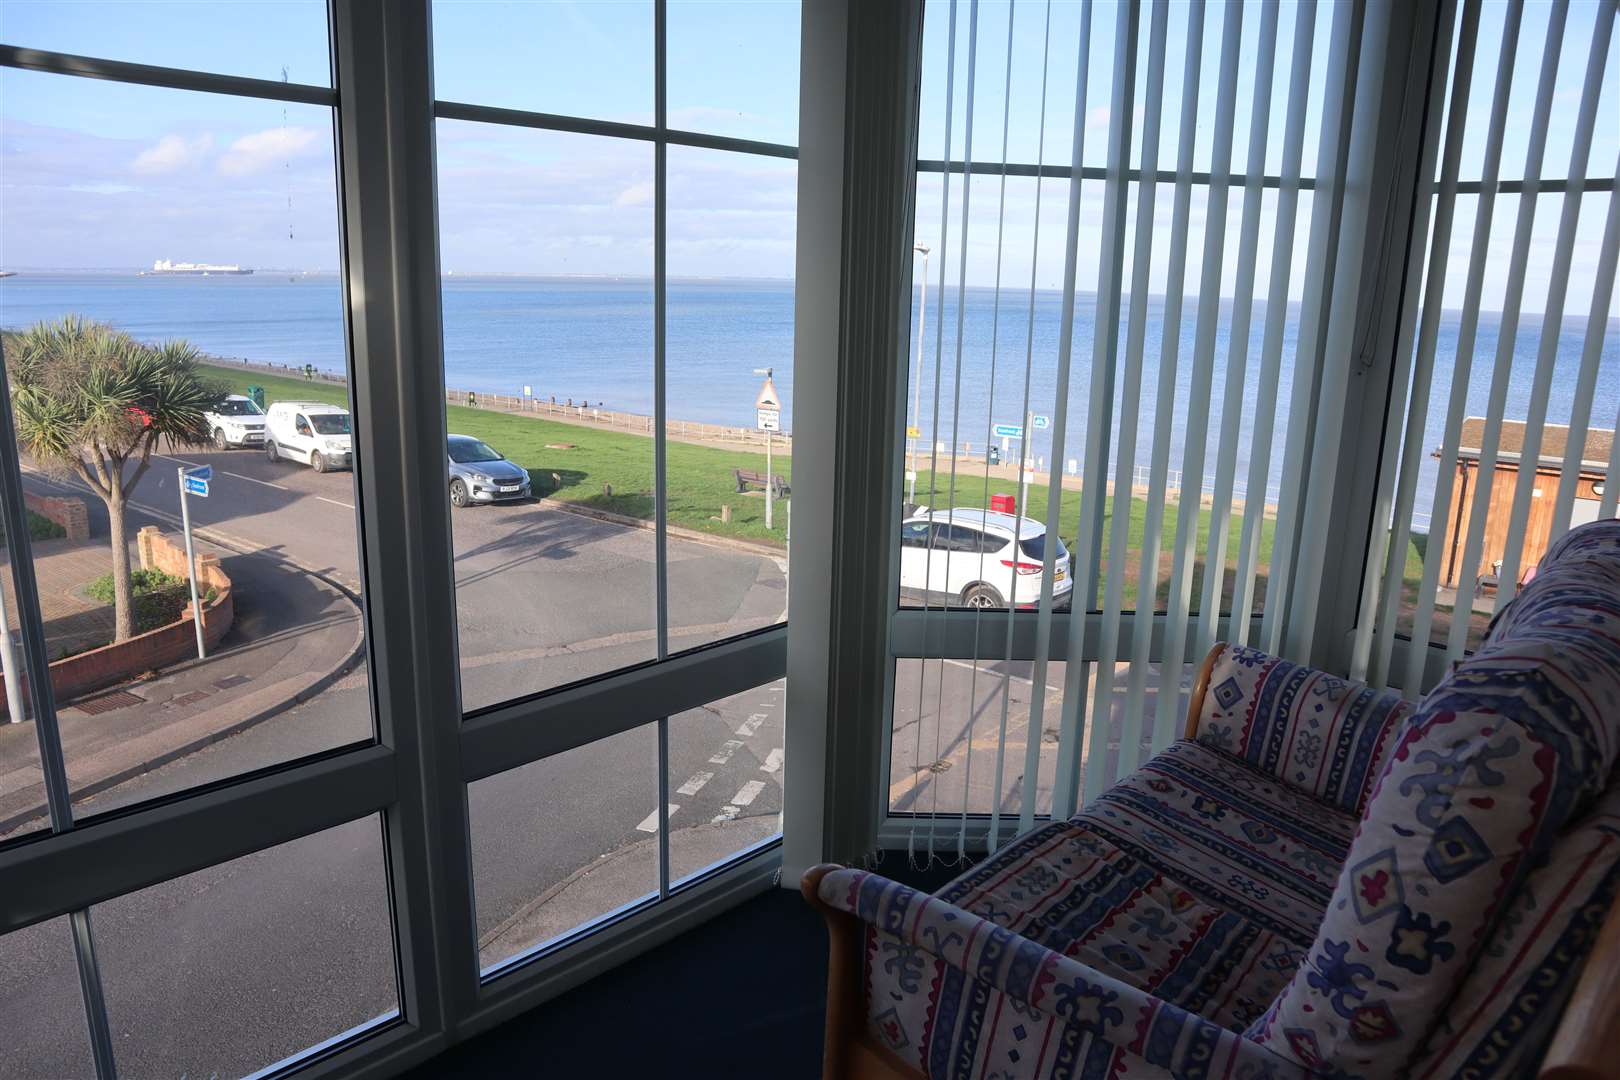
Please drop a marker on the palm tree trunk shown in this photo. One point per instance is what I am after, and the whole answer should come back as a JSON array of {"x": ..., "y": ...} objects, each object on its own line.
[{"x": 123, "y": 590}]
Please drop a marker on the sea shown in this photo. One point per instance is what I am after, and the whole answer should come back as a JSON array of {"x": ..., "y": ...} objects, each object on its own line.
[{"x": 586, "y": 339}]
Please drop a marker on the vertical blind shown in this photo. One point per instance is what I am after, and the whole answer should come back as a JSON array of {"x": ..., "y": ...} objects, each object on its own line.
[
  {"x": 1173, "y": 463},
  {"x": 1488, "y": 382}
]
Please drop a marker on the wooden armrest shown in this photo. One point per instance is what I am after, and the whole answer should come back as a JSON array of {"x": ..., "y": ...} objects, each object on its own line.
[
  {"x": 1586, "y": 1045},
  {"x": 847, "y": 1053},
  {"x": 1195, "y": 705}
]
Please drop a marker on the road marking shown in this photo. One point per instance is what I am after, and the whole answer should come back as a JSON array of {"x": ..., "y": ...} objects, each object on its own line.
[
  {"x": 180, "y": 461},
  {"x": 695, "y": 785},
  {"x": 773, "y": 761},
  {"x": 751, "y": 725},
  {"x": 726, "y": 813},
  {"x": 650, "y": 822},
  {"x": 723, "y": 755},
  {"x": 748, "y": 793},
  {"x": 256, "y": 480},
  {"x": 970, "y": 665},
  {"x": 334, "y": 502}
]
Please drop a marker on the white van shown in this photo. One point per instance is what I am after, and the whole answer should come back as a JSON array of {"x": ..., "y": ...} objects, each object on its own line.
[
  {"x": 310, "y": 431},
  {"x": 979, "y": 558}
]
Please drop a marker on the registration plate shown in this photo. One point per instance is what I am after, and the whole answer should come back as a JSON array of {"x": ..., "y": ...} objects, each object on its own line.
[{"x": 509, "y": 487}]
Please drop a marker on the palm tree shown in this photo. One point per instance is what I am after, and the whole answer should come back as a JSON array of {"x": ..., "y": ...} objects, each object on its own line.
[{"x": 90, "y": 400}]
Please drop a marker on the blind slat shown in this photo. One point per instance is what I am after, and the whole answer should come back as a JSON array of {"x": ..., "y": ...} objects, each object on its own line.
[
  {"x": 1445, "y": 212},
  {"x": 1129, "y": 417},
  {"x": 1171, "y": 662},
  {"x": 1462, "y": 366},
  {"x": 1553, "y": 313},
  {"x": 1271, "y": 346},
  {"x": 1237, "y": 352},
  {"x": 1165, "y": 402},
  {"x": 1071, "y": 255},
  {"x": 1507, "y": 334},
  {"x": 1099, "y": 430}
]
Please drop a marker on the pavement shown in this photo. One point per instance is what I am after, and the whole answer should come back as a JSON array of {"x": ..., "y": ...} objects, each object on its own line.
[{"x": 73, "y": 621}]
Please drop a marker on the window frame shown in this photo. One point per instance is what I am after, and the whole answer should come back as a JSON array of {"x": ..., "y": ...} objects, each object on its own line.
[{"x": 415, "y": 774}]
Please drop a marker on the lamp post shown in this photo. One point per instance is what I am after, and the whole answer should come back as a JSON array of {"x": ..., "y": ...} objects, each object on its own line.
[{"x": 916, "y": 383}]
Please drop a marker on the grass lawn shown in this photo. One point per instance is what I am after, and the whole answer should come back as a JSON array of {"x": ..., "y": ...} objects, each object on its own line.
[{"x": 700, "y": 481}]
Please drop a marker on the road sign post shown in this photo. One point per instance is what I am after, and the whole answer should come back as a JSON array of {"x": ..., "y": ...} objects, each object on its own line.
[
  {"x": 769, "y": 407},
  {"x": 193, "y": 482}
]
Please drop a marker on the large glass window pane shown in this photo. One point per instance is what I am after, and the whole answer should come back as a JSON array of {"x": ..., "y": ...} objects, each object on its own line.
[
  {"x": 548, "y": 331},
  {"x": 734, "y": 68},
  {"x": 589, "y": 60},
  {"x": 167, "y": 239},
  {"x": 233, "y": 968},
  {"x": 725, "y": 778},
  {"x": 730, "y": 327},
  {"x": 45, "y": 1032},
  {"x": 560, "y": 842},
  {"x": 262, "y": 39}
]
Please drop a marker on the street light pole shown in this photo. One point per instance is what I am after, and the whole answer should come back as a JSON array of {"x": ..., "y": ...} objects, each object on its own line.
[{"x": 916, "y": 383}]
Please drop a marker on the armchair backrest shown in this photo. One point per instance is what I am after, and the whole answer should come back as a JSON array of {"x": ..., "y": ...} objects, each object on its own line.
[{"x": 1489, "y": 783}]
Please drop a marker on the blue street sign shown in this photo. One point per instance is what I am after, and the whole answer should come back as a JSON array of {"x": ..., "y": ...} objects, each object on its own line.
[
  {"x": 1009, "y": 431},
  {"x": 196, "y": 485},
  {"x": 201, "y": 472},
  {"x": 1042, "y": 422}
]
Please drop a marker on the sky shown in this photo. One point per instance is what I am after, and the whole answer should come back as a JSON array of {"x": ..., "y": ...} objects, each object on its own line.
[{"x": 98, "y": 174}]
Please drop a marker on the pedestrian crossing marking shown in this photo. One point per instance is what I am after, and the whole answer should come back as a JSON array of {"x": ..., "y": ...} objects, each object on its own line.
[
  {"x": 751, "y": 725},
  {"x": 748, "y": 792},
  {"x": 650, "y": 822},
  {"x": 773, "y": 762},
  {"x": 727, "y": 748},
  {"x": 695, "y": 785}
]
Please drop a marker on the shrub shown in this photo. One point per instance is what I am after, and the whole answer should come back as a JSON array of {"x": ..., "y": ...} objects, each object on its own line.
[{"x": 160, "y": 598}]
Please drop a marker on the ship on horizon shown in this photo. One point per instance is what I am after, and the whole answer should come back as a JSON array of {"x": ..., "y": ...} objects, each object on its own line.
[{"x": 165, "y": 266}]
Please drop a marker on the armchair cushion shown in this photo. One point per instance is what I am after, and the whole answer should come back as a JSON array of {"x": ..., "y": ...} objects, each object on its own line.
[
  {"x": 1197, "y": 878},
  {"x": 970, "y": 998},
  {"x": 1325, "y": 735}
]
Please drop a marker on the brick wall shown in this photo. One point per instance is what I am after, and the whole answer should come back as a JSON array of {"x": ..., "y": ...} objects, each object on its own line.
[
  {"x": 75, "y": 676},
  {"x": 68, "y": 511}
]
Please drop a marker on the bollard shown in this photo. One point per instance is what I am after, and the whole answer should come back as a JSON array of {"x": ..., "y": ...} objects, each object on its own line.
[{"x": 725, "y": 513}]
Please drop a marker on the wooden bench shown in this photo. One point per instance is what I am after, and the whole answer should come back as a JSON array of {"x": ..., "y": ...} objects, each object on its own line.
[{"x": 747, "y": 478}]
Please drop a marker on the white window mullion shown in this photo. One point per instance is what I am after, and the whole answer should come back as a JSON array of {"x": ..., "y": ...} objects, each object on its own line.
[
  {"x": 1102, "y": 710},
  {"x": 1553, "y": 314},
  {"x": 1462, "y": 366},
  {"x": 1237, "y": 352},
  {"x": 1271, "y": 347},
  {"x": 1507, "y": 335},
  {"x": 1172, "y": 660}
]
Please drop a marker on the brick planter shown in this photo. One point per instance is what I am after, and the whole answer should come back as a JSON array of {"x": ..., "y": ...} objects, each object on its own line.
[
  {"x": 75, "y": 676},
  {"x": 67, "y": 511}
]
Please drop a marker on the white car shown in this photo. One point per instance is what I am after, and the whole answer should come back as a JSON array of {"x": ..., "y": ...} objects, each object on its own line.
[
  {"x": 978, "y": 559},
  {"x": 310, "y": 431},
  {"x": 237, "y": 422}
]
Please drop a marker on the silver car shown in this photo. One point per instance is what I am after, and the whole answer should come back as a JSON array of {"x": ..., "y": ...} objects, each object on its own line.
[{"x": 479, "y": 474}]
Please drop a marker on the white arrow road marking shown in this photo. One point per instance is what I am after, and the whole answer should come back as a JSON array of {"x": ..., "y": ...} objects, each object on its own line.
[
  {"x": 751, "y": 725},
  {"x": 727, "y": 748},
  {"x": 773, "y": 761},
  {"x": 650, "y": 822},
  {"x": 748, "y": 792},
  {"x": 695, "y": 785}
]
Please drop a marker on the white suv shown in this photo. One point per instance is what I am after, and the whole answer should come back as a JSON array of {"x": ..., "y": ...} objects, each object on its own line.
[
  {"x": 311, "y": 431},
  {"x": 237, "y": 421},
  {"x": 978, "y": 558}
]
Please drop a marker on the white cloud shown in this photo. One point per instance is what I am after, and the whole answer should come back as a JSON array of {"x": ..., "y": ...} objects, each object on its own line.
[
  {"x": 171, "y": 154},
  {"x": 636, "y": 195},
  {"x": 264, "y": 149}
]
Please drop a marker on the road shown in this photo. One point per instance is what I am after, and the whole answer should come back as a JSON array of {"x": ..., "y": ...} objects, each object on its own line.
[{"x": 233, "y": 967}]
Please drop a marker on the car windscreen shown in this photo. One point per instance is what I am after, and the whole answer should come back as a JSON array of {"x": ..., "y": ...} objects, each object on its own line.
[
  {"x": 238, "y": 408},
  {"x": 467, "y": 451},
  {"x": 330, "y": 423},
  {"x": 1035, "y": 548}
]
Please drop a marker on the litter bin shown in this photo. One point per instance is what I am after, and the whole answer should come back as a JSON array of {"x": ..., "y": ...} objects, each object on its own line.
[
  {"x": 256, "y": 393},
  {"x": 995, "y": 456}
]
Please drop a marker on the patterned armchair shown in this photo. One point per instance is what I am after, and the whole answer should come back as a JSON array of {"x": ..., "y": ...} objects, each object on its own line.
[{"x": 1321, "y": 879}]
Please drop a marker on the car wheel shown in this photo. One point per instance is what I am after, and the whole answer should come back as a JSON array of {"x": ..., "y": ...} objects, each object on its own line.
[
  {"x": 458, "y": 493},
  {"x": 220, "y": 441},
  {"x": 317, "y": 462},
  {"x": 982, "y": 596},
  {"x": 270, "y": 450}
]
